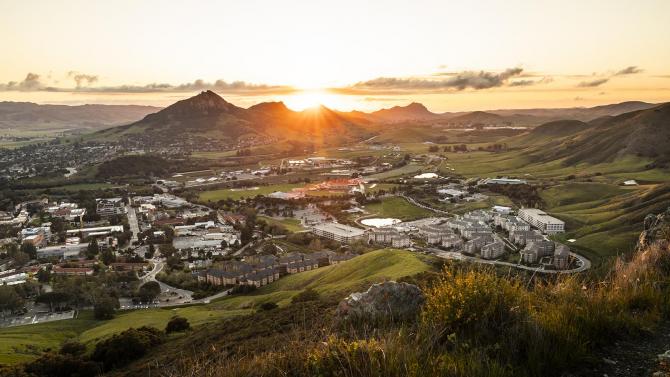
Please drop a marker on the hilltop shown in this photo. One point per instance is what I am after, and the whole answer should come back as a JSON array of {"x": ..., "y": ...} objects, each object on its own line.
[{"x": 208, "y": 115}]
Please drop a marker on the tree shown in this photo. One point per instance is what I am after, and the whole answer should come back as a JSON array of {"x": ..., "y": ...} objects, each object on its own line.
[
  {"x": 105, "y": 307},
  {"x": 55, "y": 299},
  {"x": 177, "y": 324},
  {"x": 108, "y": 257},
  {"x": 93, "y": 249},
  {"x": 30, "y": 249},
  {"x": 43, "y": 275},
  {"x": 152, "y": 251},
  {"x": 149, "y": 291},
  {"x": 10, "y": 300}
]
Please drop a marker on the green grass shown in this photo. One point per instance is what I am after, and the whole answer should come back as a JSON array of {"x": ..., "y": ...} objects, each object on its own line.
[
  {"x": 221, "y": 194},
  {"x": 398, "y": 208},
  {"x": 291, "y": 224},
  {"x": 605, "y": 219},
  {"x": 409, "y": 169},
  {"x": 23, "y": 343},
  {"x": 376, "y": 266}
]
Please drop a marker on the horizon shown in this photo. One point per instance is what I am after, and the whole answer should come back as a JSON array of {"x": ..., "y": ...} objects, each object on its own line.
[
  {"x": 460, "y": 57},
  {"x": 251, "y": 104}
]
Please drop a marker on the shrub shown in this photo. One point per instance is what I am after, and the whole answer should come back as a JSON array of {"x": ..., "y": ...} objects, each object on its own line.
[
  {"x": 306, "y": 295},
  {"x": 268, "y": 306},
  {"x": 177, "y": 324},
  {"x": 72, "y": 347},
  {"x": 57, "y": 365},
  {"x": 126, "y": 346}
]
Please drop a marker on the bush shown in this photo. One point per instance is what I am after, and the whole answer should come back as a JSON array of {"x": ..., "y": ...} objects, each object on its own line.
[
  {"x": 177, "y": 324},
  {"x": 306, "y": 295},
  {"x": 126, "y": 346},
  {"x": 267, "y": 306},
  {"x": 72, "y": 347},
  {"x": 57, "y": 365}
]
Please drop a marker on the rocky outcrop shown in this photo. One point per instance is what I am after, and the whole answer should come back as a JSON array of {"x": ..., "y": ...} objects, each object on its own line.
[
  {"x": 386, "y": 301},
  {"x": 656, "y": 228}
]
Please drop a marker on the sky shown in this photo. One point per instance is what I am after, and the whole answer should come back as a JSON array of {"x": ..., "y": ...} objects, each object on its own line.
[{"x": 449, "y": 55}]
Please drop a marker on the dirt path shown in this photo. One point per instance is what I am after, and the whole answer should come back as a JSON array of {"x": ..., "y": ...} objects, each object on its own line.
[{"x": 631, "y": 358}]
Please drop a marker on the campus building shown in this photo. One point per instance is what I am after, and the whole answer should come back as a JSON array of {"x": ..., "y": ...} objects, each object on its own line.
[
  {"x": 338, "y": 232},
  {"x": 542, "y": 221}
]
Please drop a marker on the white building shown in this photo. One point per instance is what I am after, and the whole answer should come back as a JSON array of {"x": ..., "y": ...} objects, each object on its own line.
[
  {"x": 541, "y": 220},
  {"x": 110, "y": 207},
  {"x": 338, "y": 232}
]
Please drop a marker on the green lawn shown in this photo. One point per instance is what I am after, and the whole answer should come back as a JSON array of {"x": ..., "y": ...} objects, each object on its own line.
[
  {"x": 236, "y": 194},
  {"x": 292, "y": 225},
  {"x": 26, "y": 342},
  {"x": 409, "y": 169},
  {"x": 398, "y": 208}
]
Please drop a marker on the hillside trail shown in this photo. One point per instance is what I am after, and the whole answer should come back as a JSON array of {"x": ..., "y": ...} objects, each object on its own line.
[{"x": 632, "y": 358}]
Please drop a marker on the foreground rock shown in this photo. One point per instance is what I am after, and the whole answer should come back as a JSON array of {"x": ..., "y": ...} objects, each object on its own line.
[
  {"x": 386, "y": 301},
  {"x": 656, "y": 228}
]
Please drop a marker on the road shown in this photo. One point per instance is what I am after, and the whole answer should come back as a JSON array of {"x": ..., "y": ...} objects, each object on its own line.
[
  {"x": 412, "y": 201},
  {"x": 583, "y": 264},
  {"x": 132, "y": 221}
]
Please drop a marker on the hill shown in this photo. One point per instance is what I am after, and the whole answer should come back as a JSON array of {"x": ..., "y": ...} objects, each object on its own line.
[
  {"x": 331, "y": 281},
  {"x": 642, "y": 133},
  {"x": 413, "y": 111},
  {"x": 31, "y": 116},
  {"x": 579, "y": 113},
  {"x": 210, "y": 117},
  {"x": 476, "y": 118}
]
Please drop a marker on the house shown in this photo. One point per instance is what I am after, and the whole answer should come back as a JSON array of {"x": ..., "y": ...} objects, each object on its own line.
[
  {"x": 452, "y": 241},
  {"x": 72, "y": 271},
  {"x": 493, "y": 250},
  {"x": 129, "y": 266},
  {"x": 110, "y": 207},
  {"x": 337, "y": 258},
  {"x": 561, "y": 257}
]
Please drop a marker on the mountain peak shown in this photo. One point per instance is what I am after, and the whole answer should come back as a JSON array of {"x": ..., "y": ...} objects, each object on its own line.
[{"x": 204, "y": 103}]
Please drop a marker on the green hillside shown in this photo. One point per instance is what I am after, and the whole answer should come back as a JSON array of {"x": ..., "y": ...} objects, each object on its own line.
[{"x": 26, "y": 342}]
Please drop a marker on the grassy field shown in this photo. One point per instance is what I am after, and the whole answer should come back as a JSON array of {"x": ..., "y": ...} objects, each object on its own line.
[
  {"x": 397, "y": 208},
  {"x": 236, "y": 194},
  {"x": 517, "y": 163},
  {"x": 292, "y": 225},
  {"x": 409, "y": 169},
  {"x": 604, "y": 219},
  {"x": 26, "y": 342}
]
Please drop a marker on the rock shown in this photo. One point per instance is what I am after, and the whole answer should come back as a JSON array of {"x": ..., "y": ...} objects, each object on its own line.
[
  {"x": 609, "y": 361},
  {"x": 656, "y": 228},
  {"x": 389, "y": 300}
]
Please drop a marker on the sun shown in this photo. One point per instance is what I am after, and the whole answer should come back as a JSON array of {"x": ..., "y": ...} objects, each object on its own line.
[{"x": 311, "y": 98}]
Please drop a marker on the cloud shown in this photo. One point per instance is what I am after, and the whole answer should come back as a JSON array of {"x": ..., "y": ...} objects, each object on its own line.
[
  {"x": 631, "y": 70},
  {"x": 82, "y": 79},
  {"x": 32, "y": 82},
  {"x": 83, "y": 84},
  {"x": 523, "y": 83},
  {"x": 453, "y": 82},
  {"x": 593, "y": 83}
]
